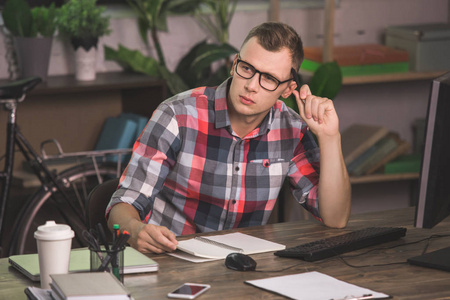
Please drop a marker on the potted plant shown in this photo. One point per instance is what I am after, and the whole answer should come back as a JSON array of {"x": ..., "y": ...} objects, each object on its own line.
[
  {"x": 83, "y": 22},
  {"x": 32, "y": 31}
]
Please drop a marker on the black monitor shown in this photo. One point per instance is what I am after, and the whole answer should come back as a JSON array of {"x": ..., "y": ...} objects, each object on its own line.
[{"x": 434, "y": 185}]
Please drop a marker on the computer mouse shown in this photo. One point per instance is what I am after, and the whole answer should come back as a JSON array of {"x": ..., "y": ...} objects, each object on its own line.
[{"x": 240, "y": 262}]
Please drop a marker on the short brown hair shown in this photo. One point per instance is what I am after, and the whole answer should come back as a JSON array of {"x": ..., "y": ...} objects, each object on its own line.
[{"x": 273, "y": 36}]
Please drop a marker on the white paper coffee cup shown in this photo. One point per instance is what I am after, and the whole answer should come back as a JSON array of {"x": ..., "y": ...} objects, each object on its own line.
[{"x": 54, "y": 242}]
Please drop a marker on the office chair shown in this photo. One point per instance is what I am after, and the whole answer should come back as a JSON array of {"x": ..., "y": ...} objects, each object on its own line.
[{"x": 98, "y": 199}]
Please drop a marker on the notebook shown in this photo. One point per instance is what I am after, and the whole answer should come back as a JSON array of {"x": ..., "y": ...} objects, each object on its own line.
[
  {"x": 439, "y": 259},
  {"x": 207, "y": 248},
  {"x": 135, "y": 262},
  {"x": 88, "y": 286}
]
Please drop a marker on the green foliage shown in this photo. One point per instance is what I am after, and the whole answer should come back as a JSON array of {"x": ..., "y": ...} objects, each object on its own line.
[
  {"x": 18, "y": 18},
  {"x": 23, "y": 21},
  {"x": 45, "y": 19},
  {"x": 195, "y": 67},
  {"x": 134, "y": 60},
  {"x": 325, "y": 82},
  {"x": 222, "y": 14},
  {"x": 83, "y": 19},
  {"x": 152, "y": 17}
]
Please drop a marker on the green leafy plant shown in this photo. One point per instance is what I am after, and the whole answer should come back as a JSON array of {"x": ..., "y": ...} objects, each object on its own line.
[
  {"x": 45, "y": 19},
  {"x": 195, "y": 67},
  {"x": 222, "y": 14},
  {"x": 83, "y": 19},
  {"x": 134, "y": 60},
  {"x": 152, "y": 18},
  {"x": 23, "y": 21},
  {"x": 325, "y": 82}
]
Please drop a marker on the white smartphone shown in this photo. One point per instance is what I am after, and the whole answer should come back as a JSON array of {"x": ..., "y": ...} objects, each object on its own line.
[{"x": 189, "y": 290}]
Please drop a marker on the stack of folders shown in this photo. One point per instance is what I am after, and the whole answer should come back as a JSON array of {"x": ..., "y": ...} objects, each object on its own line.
[
  {"x": 368, "y": 148},
  {"x": 360, "y": 60},
  {"x": 92, "y": 286}
]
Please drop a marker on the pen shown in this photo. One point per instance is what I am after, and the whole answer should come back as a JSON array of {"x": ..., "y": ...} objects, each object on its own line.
[
  {"x": 102, "y": 236},
  {"x": 116, "y": 260},
  {"x": 116, "y": 232},
  {"x": 120, "y": 242}
]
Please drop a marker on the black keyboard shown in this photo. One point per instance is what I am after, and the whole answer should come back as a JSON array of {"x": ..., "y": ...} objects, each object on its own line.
[{"x": 343, "y": 243}]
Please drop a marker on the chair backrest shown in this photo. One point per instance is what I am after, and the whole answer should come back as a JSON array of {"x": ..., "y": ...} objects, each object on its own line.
[{"x": 98, "y": 199}]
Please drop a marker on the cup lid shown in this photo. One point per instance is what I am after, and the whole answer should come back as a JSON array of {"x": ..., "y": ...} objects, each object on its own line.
[{"x": 51, "y": 231}]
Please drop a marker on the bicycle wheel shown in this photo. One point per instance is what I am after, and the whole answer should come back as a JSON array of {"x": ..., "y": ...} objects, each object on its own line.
[{"x": 51, "y": 204}]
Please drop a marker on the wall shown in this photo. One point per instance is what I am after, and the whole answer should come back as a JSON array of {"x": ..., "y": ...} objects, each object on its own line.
[{"x": 356, "y": 21}]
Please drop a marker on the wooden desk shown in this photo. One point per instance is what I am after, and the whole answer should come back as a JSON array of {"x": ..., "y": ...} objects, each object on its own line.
[{"x": 402, "y": 281}]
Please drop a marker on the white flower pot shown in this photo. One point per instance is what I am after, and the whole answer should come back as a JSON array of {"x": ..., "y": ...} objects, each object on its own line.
[{"x": 85, "y": 62}]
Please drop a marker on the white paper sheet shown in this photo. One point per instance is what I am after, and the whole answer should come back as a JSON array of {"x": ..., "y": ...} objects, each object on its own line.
[{"x": 314, "y": 286}]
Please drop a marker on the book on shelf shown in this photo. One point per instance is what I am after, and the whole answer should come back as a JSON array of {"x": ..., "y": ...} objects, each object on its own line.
[
  {"x": 215, "y": 247},
  {"x": 359, "y": 60},
  {"x": 379, "y": 154},
  {"x": 402, "y": 148},
  {"x": 134, "y": 262},
  {"x": 358, "y": 138},
  {"x": 89, "y": 286},
  {"x": 408, "y": 163}
]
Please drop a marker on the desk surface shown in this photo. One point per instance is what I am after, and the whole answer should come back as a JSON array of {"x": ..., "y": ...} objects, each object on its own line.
[{"x": 403, "y": 281}]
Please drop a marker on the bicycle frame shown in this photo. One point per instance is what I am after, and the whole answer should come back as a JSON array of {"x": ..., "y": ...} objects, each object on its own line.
[
  {"x": 15, "y": 137},
  {"x": 38, "y": 163}
]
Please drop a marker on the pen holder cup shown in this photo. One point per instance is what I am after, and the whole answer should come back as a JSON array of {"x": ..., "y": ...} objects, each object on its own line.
[{"x": 103, "y": 260}]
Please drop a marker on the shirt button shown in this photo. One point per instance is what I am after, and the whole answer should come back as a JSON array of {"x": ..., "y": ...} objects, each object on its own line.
[
  {"x": 236, "y": 169},
  {"x": 234, "y": 201}
]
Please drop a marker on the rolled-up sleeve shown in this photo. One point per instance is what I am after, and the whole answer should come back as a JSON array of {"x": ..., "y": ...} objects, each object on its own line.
[
  {"x": 304, "y": 173},
  {"x": 154, "y": 153}
]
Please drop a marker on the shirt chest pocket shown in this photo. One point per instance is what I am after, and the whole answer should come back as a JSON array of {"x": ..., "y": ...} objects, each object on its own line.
[{"x": 268, "y": 173}]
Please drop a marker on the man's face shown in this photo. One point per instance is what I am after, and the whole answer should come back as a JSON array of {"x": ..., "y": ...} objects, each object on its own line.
[{"x": 247, "y": 99}]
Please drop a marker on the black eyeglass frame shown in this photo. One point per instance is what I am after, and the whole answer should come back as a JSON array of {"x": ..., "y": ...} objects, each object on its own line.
[{"x": 293, "y": 73}]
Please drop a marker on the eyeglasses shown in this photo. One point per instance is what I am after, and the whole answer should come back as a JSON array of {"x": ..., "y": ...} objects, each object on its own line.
[{"x": 266, "y": 81}]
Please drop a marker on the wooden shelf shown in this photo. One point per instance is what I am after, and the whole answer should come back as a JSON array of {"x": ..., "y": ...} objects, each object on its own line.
[
  {"x": 109, "y": 81},
  {"x": 383, "y": 178},
  {"x": 392, "y": 77}
]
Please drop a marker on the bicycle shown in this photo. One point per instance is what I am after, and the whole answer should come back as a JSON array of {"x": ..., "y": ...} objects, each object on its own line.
[{"x": 66, "y": 191}]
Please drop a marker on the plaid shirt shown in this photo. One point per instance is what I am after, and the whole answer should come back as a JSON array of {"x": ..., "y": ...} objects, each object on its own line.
[{"x": 191, "y": 173}]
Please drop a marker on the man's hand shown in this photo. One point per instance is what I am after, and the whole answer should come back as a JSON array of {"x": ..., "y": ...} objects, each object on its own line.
[
  {"x": 143, "y": 237},
  {"x": 318, "y": 113},
  {"x": 153, "y": 238}
]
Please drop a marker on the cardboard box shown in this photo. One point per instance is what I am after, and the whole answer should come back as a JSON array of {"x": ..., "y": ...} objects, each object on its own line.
[{"x": 428, "y": 45}]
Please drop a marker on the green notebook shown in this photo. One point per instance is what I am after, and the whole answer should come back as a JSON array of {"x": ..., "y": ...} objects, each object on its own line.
[{"x": 135, "y": 262}]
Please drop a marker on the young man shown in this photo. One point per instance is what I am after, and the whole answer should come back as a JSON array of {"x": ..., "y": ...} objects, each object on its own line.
[{"x": 216, "y": 158}]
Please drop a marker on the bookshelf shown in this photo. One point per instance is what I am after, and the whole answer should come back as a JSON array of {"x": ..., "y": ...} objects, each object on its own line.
[{"x": 355, "y": 80}]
